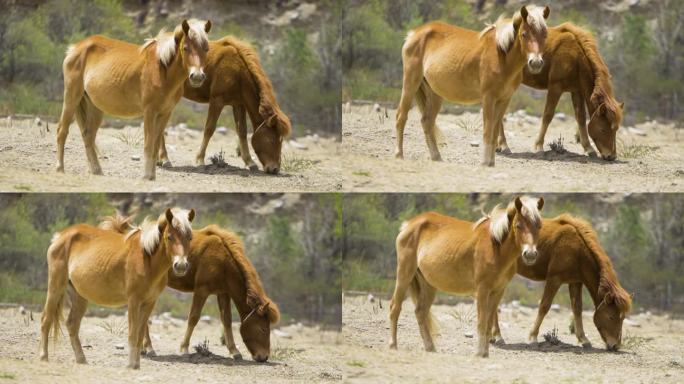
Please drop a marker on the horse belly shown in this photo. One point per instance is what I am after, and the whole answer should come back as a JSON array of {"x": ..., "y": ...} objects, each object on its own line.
[
  {"x": 97, "y": 279},
  {"x": 115, "y": 93},
  {"x": 454, "y": 81},
  {"x": 448, "y": 272}
]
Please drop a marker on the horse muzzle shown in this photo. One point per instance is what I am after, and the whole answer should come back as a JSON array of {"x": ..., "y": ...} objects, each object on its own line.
[
  {"x": 180, "y": 268},
  {"x": 260, "y": 358},
  {"x": 529, "y": 256},
  {"x": 610, "y": 157},
  {"x": 197, "y": 78},
  {"x": 535, "y": 63},
  {"x": 272, "y": 169}
]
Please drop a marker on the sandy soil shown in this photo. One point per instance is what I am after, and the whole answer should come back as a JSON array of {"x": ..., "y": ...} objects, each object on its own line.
[
  {"x": 368, "y": 137},
  {"x": 28, "y": 156},
  {"x": 307, "y": 355},
  {"x": 651, "y": 348}
]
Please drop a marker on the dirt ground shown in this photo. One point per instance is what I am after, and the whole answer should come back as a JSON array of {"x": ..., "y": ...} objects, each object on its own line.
[
  {"x": 651, "y": 157},
  {"x": 28, "y": 156},
  {"x": 651, "y": 353},
  {"x": 298, "y": 353}
]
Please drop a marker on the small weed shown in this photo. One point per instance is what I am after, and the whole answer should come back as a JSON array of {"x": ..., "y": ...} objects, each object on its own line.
[
  {"x": 551, "y": 336},
  {"x": 356, "y": 363},
  {"x": 557, "y": 146},
  {"x": 280, "y": 354},
  {"x": 203, "y": 348},
  {"x": 633, "y": 150},
  {"x": 23, "y": 187},
  {"x": 218, "y": 160},
  {"x": 470, "y": 124},
  {"x": 361, "y": 173},
  {"x": 292, "y": 163},
  {"x": 114, "y": 326},
  {"x": 7, "y": 375},
  {"x": 130, "y": 136},
  {"x": 464, "y": 315}
]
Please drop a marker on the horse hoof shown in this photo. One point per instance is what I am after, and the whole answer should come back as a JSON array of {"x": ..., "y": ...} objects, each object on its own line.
[
  {"x": 592, "y": 154},
  {"x": 500, "y": 342},
  {"x": 399, "y": 156},
  {"x": 586, "y": 345},
  {"x": 504, "y": 151},
  {"x": 151, "y": 353},
  {"x": 166, "y": 164},
  {"x": 483, "y": 355},
  {"x": 253, "y": 168},
  {"x": 43, "y": 358},
  {"x": 81, "y": 361},
  {"x": 199, "y": 162},
  {"x": 59, "y": 169},
  {"x": 237, "y": 356}
]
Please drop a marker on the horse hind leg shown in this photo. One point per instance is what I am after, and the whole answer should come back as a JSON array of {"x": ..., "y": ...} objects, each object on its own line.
[
  {"x": 413, "y": 75},
  {"x": 227, "y": 321},
  {"x": 496, "y": 338},
  {"x": 550, "y": 289},
  {"x": 209, "y": 127},
  {"x": 581, "y": 117},
  {"x": 57, "y": 282},
  {"x": 89, "y": 118},
  {"x": 406, "y": 270},
  {"x": 576, "y": 302},
  {"x": 73, "y": 94},
  {"x": 79, "y": 305},
  {"x": 423, "y": 295},
  {"x": 552, "y": 97},
  {"x": 430, "y": 104}
]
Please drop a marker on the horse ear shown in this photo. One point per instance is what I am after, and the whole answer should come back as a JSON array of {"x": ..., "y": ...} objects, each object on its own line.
[
  {"x": 191, "y": 215},
  {"x": 518, "y": 204},
  {"x": 622, "y": 106},
  {"x": 547, "y": 10},
  {"x": 185, "y": 26},
  {"x": 523, "y": 12},
  {"x": 207, "y": 26},
  {"x": 177, "y": 36},
  {"x": 540, "y": 203},
  {"x": 169, "y": 216}
]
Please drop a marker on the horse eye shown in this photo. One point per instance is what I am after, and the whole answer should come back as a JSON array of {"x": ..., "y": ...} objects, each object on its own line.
[
  {"x": 524, "y": 35},
  {"x": 170, "y": 237}
]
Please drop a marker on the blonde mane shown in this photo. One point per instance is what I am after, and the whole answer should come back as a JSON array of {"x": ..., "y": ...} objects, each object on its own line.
[
  {"x": 150, "y": 236},
  {"x": 609, "y": 286},
  {"x": 166, "y": 42},
  {"x": 499, "y": 223},
  {"x": 505, "y": 28}
]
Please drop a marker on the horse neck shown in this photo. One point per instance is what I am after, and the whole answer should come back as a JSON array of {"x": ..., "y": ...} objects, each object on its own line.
[
  {"x": 514, "y": 58},
  {"x": 590, "y": 271},
  {"x": 176, "y": 73},
  {"x": 160, "y": 261},
  {"x": 509, "y": 248}
]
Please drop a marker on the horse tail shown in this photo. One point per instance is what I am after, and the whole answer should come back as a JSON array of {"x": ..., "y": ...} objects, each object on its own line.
[
  {"x": 57, "y": 282},
  {"x": 608, "y": 281},
  {"x": 418, "y": 291},
  {"x": 268, "y": 106},
  {"x": 421, "y": 101},
  {"x": 117, "y": 223}
]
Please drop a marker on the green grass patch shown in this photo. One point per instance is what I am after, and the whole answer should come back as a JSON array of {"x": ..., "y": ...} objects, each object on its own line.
[
  {"x": 362, "y": 173},
  {"x": 8, "y": 376},
  {"x": 356, "y": 363}
]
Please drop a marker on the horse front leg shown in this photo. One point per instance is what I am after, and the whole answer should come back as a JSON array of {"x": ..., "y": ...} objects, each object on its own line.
[
  {"x": 198, "y": 300},
  {"x": 134, "y": 328},
  {"x": 550, "y": 290},
  {"x": 413, "y": 75},
  {"x": 240, "y": 117},
  {"x": 578, "y": 104},
  {"x": 576, "y": 302},
  {"x": 483, "y": 320},
  {"x": 490, "y": 130},
  {"x": 163, "y": 157},
  {"x": 151, "y": 147},
  {"x": 227, "y": 321},
  {"x": 213, "y": 115},
  {"x": 552, "y": 96}
]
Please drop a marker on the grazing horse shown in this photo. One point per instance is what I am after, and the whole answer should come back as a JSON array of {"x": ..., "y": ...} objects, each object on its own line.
[
  {"x": 570, "y": 253},
  {"x": 218, "y": 266},
  {"x": 235, "y": 77},
  {"x": 574, "y": 65},
  {"x": 103, "y": 75},
  {"x": 440, "y": 252},
  {"x": 442, "y": 61},
  {"x": 111, "y": 268}
]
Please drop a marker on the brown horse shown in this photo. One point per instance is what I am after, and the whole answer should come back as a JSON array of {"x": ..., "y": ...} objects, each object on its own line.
[
  {"x": 570, "y": 253},
  {"x": 113, "y": 269},
  {"x": 442, "y": 61},
  {"x": 574, "y": 65},
  {"x": 235, "y": 77},
  {"x": 103, "y": 75},
  {"x": 218, "y": 266},
  {"x": 440, "y": 252}
]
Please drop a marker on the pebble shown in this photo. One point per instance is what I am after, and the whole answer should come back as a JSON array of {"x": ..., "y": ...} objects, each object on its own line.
[
  {"x": 222, "y": 130},
  {"x": 119, "y": 346},
  {"x": 474, "y": 143},
  {"x": 135, "y": 157},
  {"x": 469, "y": 335}
]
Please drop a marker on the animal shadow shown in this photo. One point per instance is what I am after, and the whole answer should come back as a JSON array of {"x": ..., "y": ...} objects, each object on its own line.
[
  {"x": 205, "y": 358},
  {"x": 568, "y": 157},
  {"x": 224, "y": 169},
  {"x": 547, "y": 347}
]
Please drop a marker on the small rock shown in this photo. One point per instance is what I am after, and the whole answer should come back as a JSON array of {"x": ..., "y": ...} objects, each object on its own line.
[
  {"x": 632, "y": 323},
  {"x": 281, "y": 334},
  {"x": 206, "y": 318},
  {"x": 474, "y": 143},
  {"x": 469, "y": 335},
  {"x": 297, "y": 145},
  {"x": 555, "y": 307},
  {"x": 135, "y": 157},
  {"x": 222, "y": 130},
  {"x": 636, "y": 131},
  {"x": 376, "y": 107},
  {"x": 371, "y": 298},
  {"x": 560, "y": 116},
  {"x": 22, "y": 310},
  {"x": 119, "y": 346}
]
